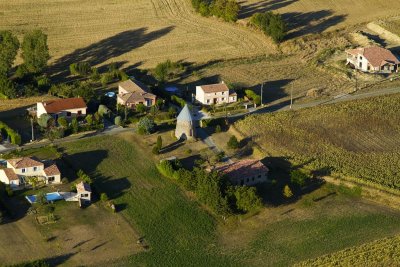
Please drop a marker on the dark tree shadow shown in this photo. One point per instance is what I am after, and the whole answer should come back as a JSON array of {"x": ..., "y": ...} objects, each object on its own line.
[
  {"x": 310, "y": 22},
  {"x": 58, "y": 260},
  {"x": 248, "y": 10},
  {"x": 171, "y": 147},
  {"x": 106, "y": 49},
  {"x": 189, "y": 162}
]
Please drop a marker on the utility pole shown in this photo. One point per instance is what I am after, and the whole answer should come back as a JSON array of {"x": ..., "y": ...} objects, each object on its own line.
[
  {"x": 262, "y": 87},
  {"x": 355, "y": 77},
  {"x": 33, "y": 134},
  {"x": 291, "y": 96}
]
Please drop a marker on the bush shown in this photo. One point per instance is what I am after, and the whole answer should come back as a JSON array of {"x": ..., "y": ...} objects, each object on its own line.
[
  {"x": 15, "y": 138},
  {"x": 287, "y": 192},
  {"x": 247, "y": 198},
  {"x": 7, "y": 88},
  {"x": 299, "y": 178},
  {"x": 166, "y": 168},
  {"x": 55, "y": 133},
  {"x": 141, "y": 108},
  {"x": 218, "y": 129},
  {"x": 186, "y": 178},
  {"x": 62, "y": 122},
  {"x": 74, "y": 125},
  {"x": 41, "y": 198},
  {"x": 146, "y": 126},
  {"x": 103, "y": 197},
  {"x": 156, "y": 150},
  {"x": 106, "y": 78},
  {"x": 103, "y": 110},
  {"x": 253, "y": 96},
  {"x": 177, "y": 100},
  {"x": 80, "y": 68},
  {"x": 233, "y": 143},
  {"x": 118, "y": 121},
  {"x": 225, "y": 9},
  {"x": 84, "y": 177},
  {"x": 167, "y": 70}
]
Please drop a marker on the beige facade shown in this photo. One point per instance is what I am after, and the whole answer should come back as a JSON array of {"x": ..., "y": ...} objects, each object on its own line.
[
  {"x": 215, "y": 94},
  {"x": 185, "y": 127},
  {"x": 132, "y": 93}
]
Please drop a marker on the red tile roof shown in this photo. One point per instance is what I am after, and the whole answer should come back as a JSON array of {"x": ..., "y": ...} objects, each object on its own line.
[
  {"x": 25, "y": 162},
  {"x": 10, "y": 174},
  {"x": 376, "y": 56},
  {"x": 55, "y": 106},
  {"x": 243, "y": 169},
  {"x": 51, "y": 169},
  {"x": 214, "y": 88}
]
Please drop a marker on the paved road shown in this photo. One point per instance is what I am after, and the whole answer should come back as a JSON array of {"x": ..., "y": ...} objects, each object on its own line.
[{"x": 203, "y": 135}]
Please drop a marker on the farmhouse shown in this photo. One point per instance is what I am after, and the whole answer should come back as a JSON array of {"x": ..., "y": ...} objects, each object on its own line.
[
  {"x": 132, "y": 93},
  {"x": 245, "y": 172},
  {"x": 373, "y": 59},
  {"x": 185, "y": 128},
  {"x": 215, "y": 94},
  {"x": 68, "y": 107},
  {"x": 19, "y": 170}
]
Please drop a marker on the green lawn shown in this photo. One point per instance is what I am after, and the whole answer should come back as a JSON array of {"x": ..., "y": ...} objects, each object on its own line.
[{"x": 180, "y": 233}]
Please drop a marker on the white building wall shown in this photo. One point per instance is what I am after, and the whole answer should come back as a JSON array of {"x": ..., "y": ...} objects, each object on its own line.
[
  {"x": 200, "y": 96},
  {"x": 40, "y": 109}
]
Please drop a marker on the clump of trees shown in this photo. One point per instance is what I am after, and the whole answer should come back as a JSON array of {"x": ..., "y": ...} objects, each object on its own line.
[
  {"x": 272, "y": 24},
  {"x": 213, "y": 189},
  {"x": 228, "y": 10},
  {"x": 168, "y": 70},
  {"x": 146, "y": 126},
  {"x": 35, "y": 55},
  {"x": 15, "y": 138},
  {"x": 233, "y": 142},
  {"x": 83, "y": 89},
  {"x": 253, "y": 96}
]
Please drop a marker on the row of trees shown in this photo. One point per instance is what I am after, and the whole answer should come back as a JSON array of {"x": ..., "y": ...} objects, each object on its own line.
[
  {"x": 34, "y": 52},
  {"x": 225, "y": 9},
  {"x": 213, "y": 189},
  {"x": 271, "y": 24}
]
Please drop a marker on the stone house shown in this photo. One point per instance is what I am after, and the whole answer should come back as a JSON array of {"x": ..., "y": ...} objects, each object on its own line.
[
  {"x": 19, "y": 170},
  {"x": 68, "y": 108},
  {"x": 132, "y": 93},
  {"x": 185, "y": 125},
  {"x": 215, "y": 94},
  {"x": 372, "y": 59},
  {"x": 245, "y": 172}
]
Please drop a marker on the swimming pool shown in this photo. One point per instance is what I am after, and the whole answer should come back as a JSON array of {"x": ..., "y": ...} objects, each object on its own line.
[{"x": 49, "y": 196}]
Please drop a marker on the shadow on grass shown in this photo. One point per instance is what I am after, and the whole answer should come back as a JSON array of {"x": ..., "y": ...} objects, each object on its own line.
[{"x": 171, "y": 147}]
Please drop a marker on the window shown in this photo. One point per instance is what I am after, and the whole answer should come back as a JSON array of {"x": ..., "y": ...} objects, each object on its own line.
[
  {"x": 34, "y": 169},
  {"x": 79, "y": 112},
  {"x": 23, "y": 170},
  {"x": 68, "y": 114},
  {"x": 51, "y": 179},
  {"x": 223, "y": 99},
  {"x": 84, "y": 195},
  {"x": 208, "y": 101},
  {"x": 215, "y": 93},
  {"x": 252, "y": 179},
  {"x": 223, "y": 93}
]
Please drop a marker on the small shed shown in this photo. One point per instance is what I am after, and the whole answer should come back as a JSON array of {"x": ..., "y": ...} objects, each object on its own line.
[{"x": 84, "y": 192}]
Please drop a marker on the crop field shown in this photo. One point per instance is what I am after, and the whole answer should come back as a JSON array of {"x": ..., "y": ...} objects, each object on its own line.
[
  {"x": 383, "y": 252},
  {"x": 358, "y": 138},
  {"x": 143, "y": 32}
]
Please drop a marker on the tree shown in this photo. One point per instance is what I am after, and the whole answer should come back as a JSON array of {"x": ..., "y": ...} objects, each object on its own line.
[
  {"x": 41, "y": 198},
  {"x": 35, "y": 51},
  {"x": 44, "y": 120},
  {"x": 84, "y": 177},
  {"x": 287, "y": 192},
  {"x": 233, "y": 143},
  {"x": 62, "y": 122},
  {"x": 75, "y": 125},
  {"x": 247, "y": 198},
  {"x": 89, "y": 119},
  {"x": 33, "y": 181},
  {"x": 9, "y": 46},
  {"x": 146, "y": 126},
  {"x": 103, "y": 197},
  {"x": 155, "y": 150},
  {"x": 271, "y": 24},
  {"x": 298, "y": 177},
  {"x": 80, "y": 68},
  {"x": 103, "y": 110},
  {"x": 141, "y": 108},
  {"x": 7, "y": 87},
  {"x": 218, "y": 128}
]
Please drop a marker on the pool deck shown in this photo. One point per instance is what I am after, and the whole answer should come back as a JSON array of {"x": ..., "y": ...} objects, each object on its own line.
[{"x": 69, "y": 196}]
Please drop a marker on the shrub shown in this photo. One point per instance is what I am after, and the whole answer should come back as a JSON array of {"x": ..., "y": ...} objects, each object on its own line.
[
  {"x": 118, "y": 121},
  {"x": 299, "y": 178},
  {"x": 74, "y": 125},
  {"x": 80, "y": 68},
  {"x": 218, "y": 129},
  {"x": 62, "y": 122},
  {"x": 146, "y": 126},
  {"x": 177, "y": 100},
  {"x": 103, "y": 197},
  {"x": 84, "y": 177},
  {"x": 159, "y": 141},
  {"x": 141, "y": 108},
  {"x": 287, "y": 192},
  {"x": 225, "y": 9},
  {"x": 166, "y": 168},
  {"x": 106, "y": 78},
  {"x": 41, "y": 198},
  {"x": 253, "y": 96},
  {"x": 247, "y": 198},
  {"x": 55, "y": 133},
  {"x": 156, "y": 150},
  {"x": 15, "y": 138},
  {"x": 186, "y": 178},
  {"x": 233, "y": 143},
  {"x": 7, "y": 87},
  {"x": 167, "y": 70}
]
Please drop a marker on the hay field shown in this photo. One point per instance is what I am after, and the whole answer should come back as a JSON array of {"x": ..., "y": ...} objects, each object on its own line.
[
  {"x": 142, "y": 32},
  {"x": 308, "y": 16}
]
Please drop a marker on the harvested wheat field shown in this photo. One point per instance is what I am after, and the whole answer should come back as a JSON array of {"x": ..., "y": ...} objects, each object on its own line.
[
  {"x": 313, "y": 16},
  {"x": 143, "y": 32}
]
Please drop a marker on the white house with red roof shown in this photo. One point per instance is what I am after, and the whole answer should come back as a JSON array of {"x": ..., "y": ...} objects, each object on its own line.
[
  {"x": 245, "y": 172},
  {"x": 215, "y": 94},
  {"x": 373, "y": 59},
  {"x": 67, "y": 107},
  {"x": 19, "y": 170}
]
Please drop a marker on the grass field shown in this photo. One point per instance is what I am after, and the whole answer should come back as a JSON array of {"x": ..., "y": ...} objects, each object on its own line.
[
  {"x": 357, "y": 138},
  {"x": 383, "y": 252},
  {"x": 180, "y": 233}
]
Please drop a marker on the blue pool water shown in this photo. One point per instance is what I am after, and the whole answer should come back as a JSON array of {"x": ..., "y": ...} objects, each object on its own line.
[{"x": 49, "y": 196}]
